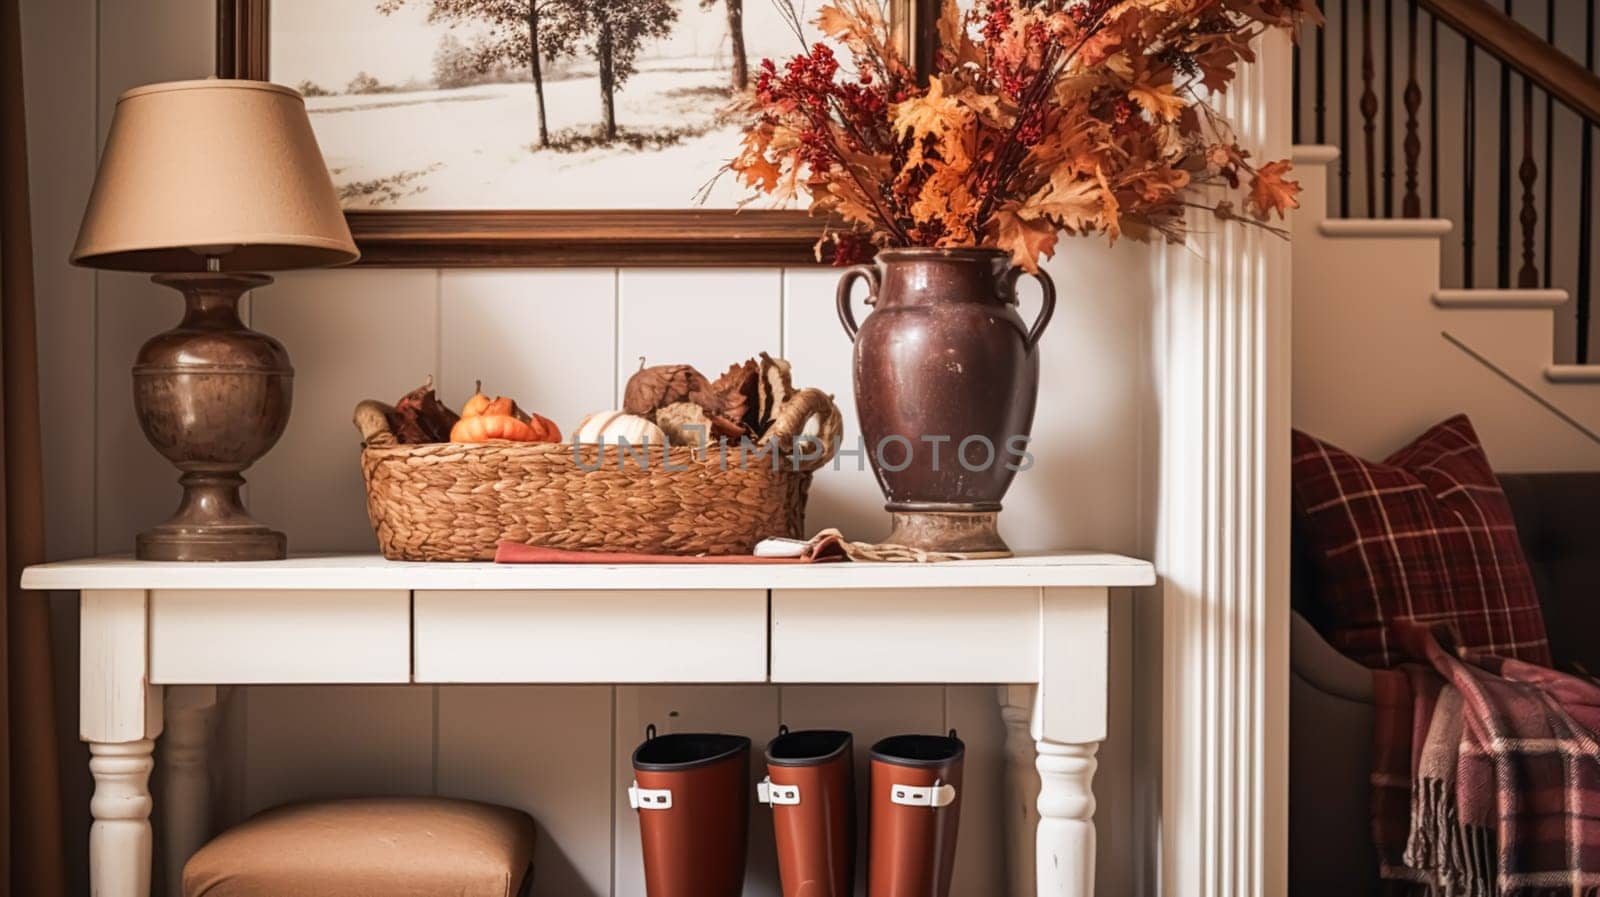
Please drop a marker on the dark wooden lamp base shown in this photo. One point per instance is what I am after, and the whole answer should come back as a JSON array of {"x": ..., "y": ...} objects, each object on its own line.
[
  {"x": 212, "y": 396},
  {"x": 211, "y": 525}
]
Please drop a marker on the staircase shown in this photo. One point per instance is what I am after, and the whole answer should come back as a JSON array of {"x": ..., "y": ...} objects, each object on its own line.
[
  {"x": 1407, "y": 306},
  {"x": 1382, "y": 349}
]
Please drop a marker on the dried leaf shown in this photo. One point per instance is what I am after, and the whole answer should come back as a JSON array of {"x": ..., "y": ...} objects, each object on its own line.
[
  {"x": 1160, "y": 100},
  {"x": 773, "y": 389},
  {"x": 1026, "y": 239},
  {"x": 1271, "y": 192},
  {"x": 419, "y": 417},
  {"x": 735, "y": 396},
  {"x": 686, "y": 423}
]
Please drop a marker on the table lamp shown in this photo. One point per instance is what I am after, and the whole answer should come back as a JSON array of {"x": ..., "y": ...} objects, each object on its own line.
[{"x": 210, "y": 183}]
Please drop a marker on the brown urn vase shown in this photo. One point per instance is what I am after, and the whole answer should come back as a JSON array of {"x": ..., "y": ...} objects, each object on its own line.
[{"x": 946, "y": 377}]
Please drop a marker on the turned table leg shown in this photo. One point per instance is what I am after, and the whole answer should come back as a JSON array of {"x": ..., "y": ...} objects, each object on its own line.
[
  {"x": 119, "y": 717},
  {"x": 1021, "y": 814},
  {"x": 1068, "y": 724},
  {"x": 119, "y": 838},
  {"x": 186, "y": 778},
  {"x": 1066, "y": 820}
]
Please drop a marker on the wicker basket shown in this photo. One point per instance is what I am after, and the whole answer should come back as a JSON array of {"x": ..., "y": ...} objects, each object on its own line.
[{"x": 454, "y": 502}]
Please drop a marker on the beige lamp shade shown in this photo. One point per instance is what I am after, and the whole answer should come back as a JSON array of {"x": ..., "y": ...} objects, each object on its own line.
[{"x": 220, "y": 168}]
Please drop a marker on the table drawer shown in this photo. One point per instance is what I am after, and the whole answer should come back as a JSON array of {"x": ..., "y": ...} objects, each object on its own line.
[
  {"x": 248, "y": 636},
  {"x": 591, "y": 636},
  {"x": 905, "y": 635}
]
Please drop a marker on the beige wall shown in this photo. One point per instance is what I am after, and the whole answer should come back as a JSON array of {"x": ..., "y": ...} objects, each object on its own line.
[{"x": 562, "y": 341}]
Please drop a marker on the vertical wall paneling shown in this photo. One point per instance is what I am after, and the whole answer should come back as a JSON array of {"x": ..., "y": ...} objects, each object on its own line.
[
  {"x": 1221, "y": 341},
  {"x": 546, "y": 750},
  {"x": 1080, "y": 488},
  {"x": 309, "y": 742},
  {"x": 844, "y": 495},
  {"x": 750, "y": 710},
  {"x": 539, "y": 336},
  {"x": 351, "y": 335},
  {"x": 709, "y": 318}
]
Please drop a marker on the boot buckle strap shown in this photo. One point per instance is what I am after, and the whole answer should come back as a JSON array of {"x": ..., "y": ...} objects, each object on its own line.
[
  {"x": 649, "y": 798},
  {"x": 768, "y": 792},
  {"x": 914, "y": 796}
]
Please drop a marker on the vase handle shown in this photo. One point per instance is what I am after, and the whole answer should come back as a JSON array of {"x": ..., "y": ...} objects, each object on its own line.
[
  {"x": 1046, "y": 309},
  {"x": 846, "y": 281}
]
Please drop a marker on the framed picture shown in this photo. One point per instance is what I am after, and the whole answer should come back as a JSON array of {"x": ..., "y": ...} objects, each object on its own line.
[{"x": 535, "y": 132}]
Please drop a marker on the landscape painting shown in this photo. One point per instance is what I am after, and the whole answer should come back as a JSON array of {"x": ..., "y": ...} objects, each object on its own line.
[{"x": 529, "y": 104}]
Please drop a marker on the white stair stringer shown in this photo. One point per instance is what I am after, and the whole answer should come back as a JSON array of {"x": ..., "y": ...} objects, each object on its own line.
[{"x": 1381, "y": 351}]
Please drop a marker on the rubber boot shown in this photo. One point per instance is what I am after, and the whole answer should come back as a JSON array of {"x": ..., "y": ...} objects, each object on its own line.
[
  {"x": 916, "y": 805},
  {"x": 692, "y": 792},
  {"x": 811, "y": 787}
]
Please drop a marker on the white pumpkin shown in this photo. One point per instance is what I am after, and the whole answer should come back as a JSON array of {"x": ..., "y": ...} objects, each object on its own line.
[{"x": 612, "y": 427}]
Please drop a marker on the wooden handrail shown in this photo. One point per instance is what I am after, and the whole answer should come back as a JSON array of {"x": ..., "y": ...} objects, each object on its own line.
[{"x": 1507, "y": 40}]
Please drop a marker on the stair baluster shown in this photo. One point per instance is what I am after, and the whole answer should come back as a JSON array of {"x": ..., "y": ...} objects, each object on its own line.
[
  {"x": 1388, "y": 108},
  {"x": 1433, "y": 117},
  {"x": 1344, "y": 108},
  {"x": 1469, "y": 159},
  {"x": 1369, "y": 108},
  {"x": 1585, "y": 203},
  {"x": 1528, "y": 276},
  {"x": 1322, "y": 78},
  {"x": 1549, "y": 151},
  {"x": 1296, "y": 92},
  {"x": 1502, "y": 246},
  {"x": 1411, "y": 205}
]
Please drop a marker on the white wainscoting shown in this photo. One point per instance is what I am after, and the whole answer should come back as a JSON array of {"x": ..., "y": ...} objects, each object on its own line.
[{"x": 563, "y": 342}]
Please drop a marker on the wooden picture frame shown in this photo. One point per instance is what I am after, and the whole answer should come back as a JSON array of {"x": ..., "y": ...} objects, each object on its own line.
[{"x": 531, "y": 238}]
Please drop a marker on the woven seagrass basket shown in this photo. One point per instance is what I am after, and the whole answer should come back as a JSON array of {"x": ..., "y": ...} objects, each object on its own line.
[{"x": 455, "y": 502}]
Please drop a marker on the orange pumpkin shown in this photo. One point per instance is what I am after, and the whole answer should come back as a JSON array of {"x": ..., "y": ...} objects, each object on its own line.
[
  {"x": 475, "y": 405},
  {"x": 484, "y": 427},
  {"x": 544, "y": 429},
  {"x": 483, "y": 419}
]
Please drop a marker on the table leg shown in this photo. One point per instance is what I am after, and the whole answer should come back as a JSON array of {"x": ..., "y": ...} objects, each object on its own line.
[
  {"x": 119, "y": 838},
  {"x": 1066, "y": 819},
  {"x": 1069, "y": 722},
  {"x": 119, "y": 717},
  {"x": 1021, "y": 816},
  {"x": 186, "y": 778}
]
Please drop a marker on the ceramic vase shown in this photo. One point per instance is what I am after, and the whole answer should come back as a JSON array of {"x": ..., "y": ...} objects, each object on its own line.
[{"x": 946, "y": 377}]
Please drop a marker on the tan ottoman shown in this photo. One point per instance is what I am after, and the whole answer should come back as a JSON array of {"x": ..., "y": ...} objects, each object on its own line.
[{"x": 369, "y": 847}]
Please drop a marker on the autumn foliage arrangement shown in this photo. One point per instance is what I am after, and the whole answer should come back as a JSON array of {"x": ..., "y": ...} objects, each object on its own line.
[{"x": 1037, "y": 118}]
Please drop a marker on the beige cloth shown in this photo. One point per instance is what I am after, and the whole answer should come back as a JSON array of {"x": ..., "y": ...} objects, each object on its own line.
[
  {"x": 368, "y": 847},
  {"x": 31, "y": 863}
]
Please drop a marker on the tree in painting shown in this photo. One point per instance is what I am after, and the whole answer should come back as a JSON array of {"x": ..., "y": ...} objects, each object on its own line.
[
  {"x": 519, "y": 32},
  {"x": 613, "y": 31},
  {"x": 741, "y": 70}
]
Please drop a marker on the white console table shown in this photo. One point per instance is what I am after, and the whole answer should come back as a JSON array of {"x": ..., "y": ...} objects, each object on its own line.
[{"x": 158, "y": 637}]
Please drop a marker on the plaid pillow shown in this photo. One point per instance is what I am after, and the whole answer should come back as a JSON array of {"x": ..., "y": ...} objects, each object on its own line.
[{"x": 1425, "y": 536}]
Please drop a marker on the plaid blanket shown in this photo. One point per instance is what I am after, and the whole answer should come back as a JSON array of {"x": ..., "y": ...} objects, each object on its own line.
[{"x": 1486, "y": 776}]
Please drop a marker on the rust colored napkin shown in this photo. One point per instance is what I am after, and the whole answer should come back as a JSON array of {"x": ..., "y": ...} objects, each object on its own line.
[{"x": 821, "y": 550}]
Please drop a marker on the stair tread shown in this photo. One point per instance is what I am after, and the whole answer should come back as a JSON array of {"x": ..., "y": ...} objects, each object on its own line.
[
  {"x": 1490, "y": 298},
  {"x": 1572, "y": 373},
  {"x": 1385, "y": 227}
]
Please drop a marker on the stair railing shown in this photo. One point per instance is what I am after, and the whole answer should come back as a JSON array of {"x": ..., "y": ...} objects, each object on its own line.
[{"x": 1535, "y": 76}]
